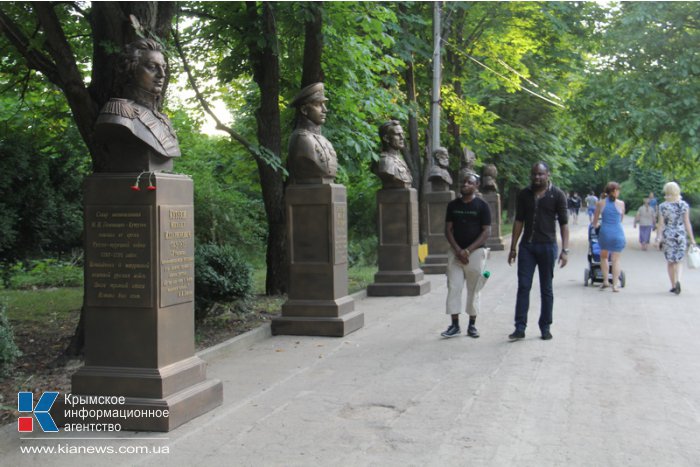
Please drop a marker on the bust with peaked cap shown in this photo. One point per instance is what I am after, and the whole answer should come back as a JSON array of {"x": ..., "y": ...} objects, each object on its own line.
[
  {"x": 312, "y": 159},
  {"x": 136, "y": 136},
  {"x": 391, "y": 168}
]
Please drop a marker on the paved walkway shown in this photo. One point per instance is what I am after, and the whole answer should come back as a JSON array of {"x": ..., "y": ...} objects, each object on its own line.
[{"x": 618, "y": 385}]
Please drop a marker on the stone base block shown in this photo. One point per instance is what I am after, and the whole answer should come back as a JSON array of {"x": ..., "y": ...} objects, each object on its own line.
[
  {"x": 435, "y": 264},
  {"x": 318, "y": 326},
  {"x": 182, "y": 406},
  {"x": 397, "y": 289},
  {"x": 398, "y": 284},
  {"x": 318, "y": 308},
  {"x": 496, "y": 244},
  {"x": 139, "y": 382}
]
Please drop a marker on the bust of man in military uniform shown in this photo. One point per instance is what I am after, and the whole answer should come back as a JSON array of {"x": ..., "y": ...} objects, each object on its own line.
[
  {"x": 136, "y": 136},
  {"x": 439, "y": 174},
  {"x": 391, "y": 167},
  {"x": 312, "y": 159}
]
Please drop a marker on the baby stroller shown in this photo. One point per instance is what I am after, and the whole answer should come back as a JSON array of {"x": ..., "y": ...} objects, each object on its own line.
[{"x": 593, "y": 272}]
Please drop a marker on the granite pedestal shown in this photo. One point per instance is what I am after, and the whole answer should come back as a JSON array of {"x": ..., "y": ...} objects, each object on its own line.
[
  {"x": 495, "y": 240},
  {"x": 139, "y": 308},
  {"x": 436, "y": 204},
  {"x": 399, "y": 274},
  {"x": 317, "y": 237}
]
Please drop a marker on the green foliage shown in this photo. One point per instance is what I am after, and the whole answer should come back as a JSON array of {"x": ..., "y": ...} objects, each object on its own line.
[
  {"x": 359, "y": 277},
  {"x": 641, "y": 97},
  {"x": 221, "y": 275},
  {"x": 42, "y": 165},
  {"x": 362, "y": 251},
  {"x": 228, "y": 208},
  {"x": 44, "y": 273},
  {"x": 695, "y": 220},
  {"x": 8, "y": 349},
  {"x": 361, "y": 78}
]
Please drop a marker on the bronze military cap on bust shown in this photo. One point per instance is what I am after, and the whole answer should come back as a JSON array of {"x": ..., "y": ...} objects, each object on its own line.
[
  {"x": 312, "y": 159},
  {"x": 311, "y": 93}
]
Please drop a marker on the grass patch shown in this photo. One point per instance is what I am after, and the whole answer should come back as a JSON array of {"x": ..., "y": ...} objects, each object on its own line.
[
  {"x": 259, "y": 276},
  {"x": 37, "y": 305},
  {"x": 359, "y": 277}
]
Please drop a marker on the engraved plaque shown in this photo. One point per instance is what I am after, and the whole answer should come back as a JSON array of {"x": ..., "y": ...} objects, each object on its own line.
[
  {"x": 341, "y": 234},
  {"x": 176, "y": 254},
  {"x": 394, "y": 223},
  {"x": 310, "y": 225},
  {"x": 118, "y": 256}
]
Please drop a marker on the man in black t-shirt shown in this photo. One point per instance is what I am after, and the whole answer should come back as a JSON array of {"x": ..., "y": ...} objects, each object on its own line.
[{"x": 467, "y": 227}]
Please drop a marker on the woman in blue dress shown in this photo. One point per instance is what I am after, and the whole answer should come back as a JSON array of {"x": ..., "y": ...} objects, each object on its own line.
[
  {"x": 674, "y": 225},
  {"x": 611, "y": 237}
]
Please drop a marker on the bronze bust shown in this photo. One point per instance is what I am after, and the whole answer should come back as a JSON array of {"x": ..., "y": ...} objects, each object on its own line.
[
  {"x": 312, "y": 159},
  {"x": 489, "y": 175},
  {"x": 467, "y": 166},
  {"x": 136, "y": 135},
  {"x": 439, "y": 174},
  {"x": 391, "y": 167}
]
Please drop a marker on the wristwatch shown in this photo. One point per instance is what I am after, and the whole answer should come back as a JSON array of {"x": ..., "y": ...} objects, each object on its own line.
[{"x": 565, "y": 251}]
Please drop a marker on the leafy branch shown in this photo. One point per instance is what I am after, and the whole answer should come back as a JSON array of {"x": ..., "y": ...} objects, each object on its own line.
[{"x": 257, "y": 151}]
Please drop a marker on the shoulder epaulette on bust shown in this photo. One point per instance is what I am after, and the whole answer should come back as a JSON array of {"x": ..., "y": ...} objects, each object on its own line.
[{"x": 121, "y": 107}]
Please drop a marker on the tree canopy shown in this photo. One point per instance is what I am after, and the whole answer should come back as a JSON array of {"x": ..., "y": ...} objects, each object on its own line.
[{"x": 582, "y": 85}]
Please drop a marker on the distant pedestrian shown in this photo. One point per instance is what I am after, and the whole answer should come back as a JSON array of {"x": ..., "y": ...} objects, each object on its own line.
[
  {"x": 467, "y": 228},
  {"x": 646, "y": 218},
  {"x": 653, "y": 203},
  {"x": 539, "y": 206},
  {"x": 575, "y": 206},
  {"x": 591, "y": 201},
  {"x": 674, "y": 228},
  {"x": 611, "y": 238}
]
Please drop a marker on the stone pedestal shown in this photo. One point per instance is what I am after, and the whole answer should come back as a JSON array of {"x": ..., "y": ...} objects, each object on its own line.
[
  {"x": 317, "y": 240},
  {"x": 399, "y": 274},
  {"x": 139, "y": 308},
  {"x": 495, "y": 240},
  {"x": 436, "y": 203}
]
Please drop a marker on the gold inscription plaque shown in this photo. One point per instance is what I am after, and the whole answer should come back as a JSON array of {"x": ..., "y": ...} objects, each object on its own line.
[
  {"x": 176, "y": 255},
  {"x": 117, "y": 256}
]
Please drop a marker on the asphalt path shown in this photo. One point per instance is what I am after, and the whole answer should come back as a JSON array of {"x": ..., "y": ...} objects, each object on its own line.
[{"x": 618, "y": 385}]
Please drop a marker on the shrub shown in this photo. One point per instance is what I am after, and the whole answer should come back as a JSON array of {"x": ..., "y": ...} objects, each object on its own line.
[
  {"x": 695, "y": 220},
  {"x": 221, "y": 275},
  {"x": 8, "y": 349},
  {"x": 45, "y": 273},
  {"x": 363, "y": 251}
]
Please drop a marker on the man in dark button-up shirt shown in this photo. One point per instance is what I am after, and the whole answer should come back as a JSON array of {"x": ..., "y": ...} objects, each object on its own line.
[{"x": 539, "y": 206}]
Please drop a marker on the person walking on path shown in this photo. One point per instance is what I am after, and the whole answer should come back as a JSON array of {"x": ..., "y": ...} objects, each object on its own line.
[
  {"x": 646, "y": 218},
  {"x": 611, "y": 238},
  {"x": 574, "y": 203},
  {"x": 653, "y": 203},
  {"x": 539, "y": 207},
  {"x": 467, "y": 228},
  {"x": 674, "y": 227},
  {"x": 591, "y": 201}
]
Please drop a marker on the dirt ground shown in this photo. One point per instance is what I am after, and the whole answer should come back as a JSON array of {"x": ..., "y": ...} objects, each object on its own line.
[{"x": 42, "y": 366}]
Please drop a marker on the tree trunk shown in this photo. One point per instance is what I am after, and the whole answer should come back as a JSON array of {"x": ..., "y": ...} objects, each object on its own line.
[
  {"x": 266, "y": 73},
  {"x": 313, "y": 46}
]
